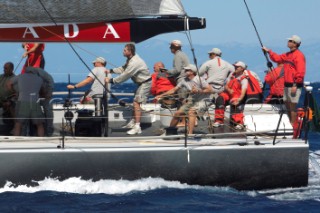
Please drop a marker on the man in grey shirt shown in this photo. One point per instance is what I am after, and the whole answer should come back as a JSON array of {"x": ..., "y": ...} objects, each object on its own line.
[
  {"x": 96, "y": 77},
  {"x": 136, "y": 69},
  {"x": 28, "y": 107},
  {"x": 45, "y": 97},
  {"x": 180, "y": 61},
  {"x": 216, "y": 71}
]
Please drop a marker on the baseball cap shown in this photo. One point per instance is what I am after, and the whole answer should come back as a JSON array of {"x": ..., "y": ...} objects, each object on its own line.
[
  {"x": 176, "y": 43},
  {"x": 100, "y": 59},
  {"x": 295, "y": 38},
  {"x": 216, "y": 51},
  {"x": 191, "y": 67},
  {"x": 240, "y": 64}
]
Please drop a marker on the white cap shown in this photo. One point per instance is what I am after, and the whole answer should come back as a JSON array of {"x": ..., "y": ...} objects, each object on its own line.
[
  {"x": 176, "y": 43},
  {"x": 191, "y": 67},
  {"x": 216, "y": 51},
  {"x": 100, "y": 59},
  {"x": 240, "y": 64},
  {"x": 295, "y": 38}
]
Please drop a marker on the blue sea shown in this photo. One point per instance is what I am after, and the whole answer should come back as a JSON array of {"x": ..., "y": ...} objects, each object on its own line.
[{"x": 158, "y": 195}]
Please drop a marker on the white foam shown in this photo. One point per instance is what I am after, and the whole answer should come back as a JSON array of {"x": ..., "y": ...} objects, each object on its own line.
[{"x": 80, "y": 186}]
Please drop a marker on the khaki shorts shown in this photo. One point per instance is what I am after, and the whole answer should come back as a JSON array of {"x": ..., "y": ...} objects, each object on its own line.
[
  {"x": 142, "y": 93},
  {"x": 199, "y": 107},
  {"x": 288, "y": 97},
  {"x": 29, "y": 110}
]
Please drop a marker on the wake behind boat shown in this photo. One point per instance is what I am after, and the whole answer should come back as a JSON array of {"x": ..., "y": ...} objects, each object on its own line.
[{"x": 89, "y": 141}]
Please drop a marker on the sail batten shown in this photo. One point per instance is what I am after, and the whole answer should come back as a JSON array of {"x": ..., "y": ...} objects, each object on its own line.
[{"x": 84, "y": 11}]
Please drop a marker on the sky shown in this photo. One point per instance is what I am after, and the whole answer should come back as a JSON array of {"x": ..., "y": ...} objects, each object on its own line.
[{"x": 228, "y": 23}]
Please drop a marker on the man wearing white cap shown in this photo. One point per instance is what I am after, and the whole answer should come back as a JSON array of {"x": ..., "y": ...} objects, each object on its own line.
[
  {"x": 234, "y": 94},
  {"x": 216, "y": 70},
  {"x": 98, "y": 72},
  {"x": 199, "y": 91},
  {"x": 180, "y": 61},
  {"x": 294, "y": 71}
]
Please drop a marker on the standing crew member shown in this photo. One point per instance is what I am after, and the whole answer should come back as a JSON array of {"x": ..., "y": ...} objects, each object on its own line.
[
  {"x": 34, "y": 52},
  {"x": 136, "y": 69},
  {"x": 294, "y": 64},
  {"x": 180, "y": 61},
  {"x": 216, "y": 70}
]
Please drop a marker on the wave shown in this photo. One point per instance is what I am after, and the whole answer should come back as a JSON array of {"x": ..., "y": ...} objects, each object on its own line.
[{"x": 80, "y": 186}]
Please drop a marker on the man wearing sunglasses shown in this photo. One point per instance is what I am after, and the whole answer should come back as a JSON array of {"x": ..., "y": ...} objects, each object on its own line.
[{"x": 294, "y": 71}]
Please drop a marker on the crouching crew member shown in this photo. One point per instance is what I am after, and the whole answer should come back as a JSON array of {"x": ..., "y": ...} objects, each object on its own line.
[
  {"x": 199, "y": 92},
  {"x": 234, "y": 94}
]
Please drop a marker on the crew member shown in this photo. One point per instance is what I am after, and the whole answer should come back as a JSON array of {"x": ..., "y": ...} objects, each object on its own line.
[
  {"x": 294, "y": 65},
  {"x": 234, "y": 94}
]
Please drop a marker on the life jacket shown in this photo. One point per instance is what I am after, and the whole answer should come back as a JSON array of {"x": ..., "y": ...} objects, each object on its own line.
[
  {"x": 275, "y": 79},
  {"x": 161, "y": 83},
  {"x": 253, "y": 84},
  {"x": 235, "y": 85}
]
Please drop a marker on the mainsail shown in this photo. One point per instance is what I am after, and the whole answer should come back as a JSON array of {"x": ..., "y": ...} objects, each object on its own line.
[{"x": 92, "y": 20}]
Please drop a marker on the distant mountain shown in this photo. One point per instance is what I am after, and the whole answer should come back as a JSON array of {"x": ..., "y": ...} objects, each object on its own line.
[
  {"x": 61, "y": 60},
  {"x": 157, "y": 50}
]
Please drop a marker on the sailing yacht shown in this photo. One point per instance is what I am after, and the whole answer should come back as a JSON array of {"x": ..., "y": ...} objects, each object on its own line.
[{"x": 91, "y": 143}]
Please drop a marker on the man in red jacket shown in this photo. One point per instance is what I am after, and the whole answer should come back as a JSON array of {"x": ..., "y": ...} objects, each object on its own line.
[
  {"x": 294, "y": 72},
  {"x": 160, "y": 81},
  {"x": 34, "y": 54},
  {"x": 275, "y": 78}
]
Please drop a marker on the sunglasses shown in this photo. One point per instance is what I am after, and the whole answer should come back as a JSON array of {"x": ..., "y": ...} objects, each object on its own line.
[{"x": 292, "y": 41}]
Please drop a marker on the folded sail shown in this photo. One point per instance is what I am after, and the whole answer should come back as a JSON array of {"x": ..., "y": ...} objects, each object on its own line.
[
  {"x": 92, "y": 20},
  {"x": 84, "y": 11}
]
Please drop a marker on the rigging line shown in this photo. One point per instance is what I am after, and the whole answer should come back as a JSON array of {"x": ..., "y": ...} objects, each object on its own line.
[
  {"x": 69, "y": 43},
  {"x": 269, "y": 64},
  {"x": 18, "y": 65}
]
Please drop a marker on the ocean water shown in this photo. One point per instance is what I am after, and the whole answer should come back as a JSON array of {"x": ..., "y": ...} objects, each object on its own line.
[{"x": 158, "y": 195}]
